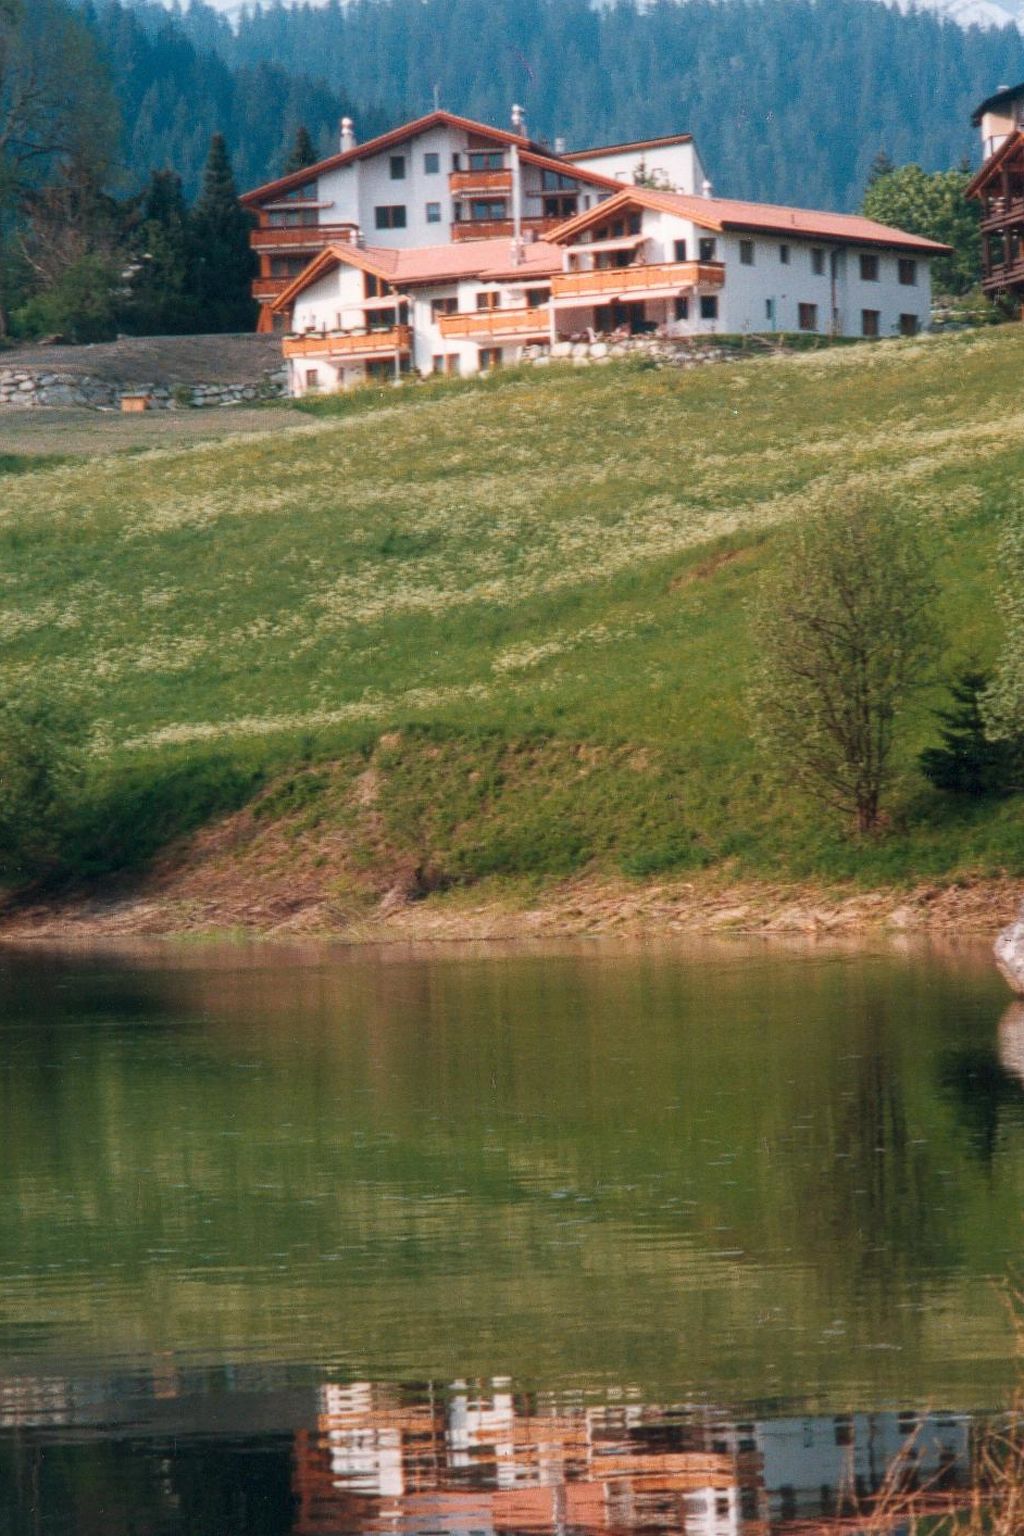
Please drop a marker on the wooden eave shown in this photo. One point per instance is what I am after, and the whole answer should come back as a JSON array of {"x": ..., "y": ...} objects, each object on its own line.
[
  {"x": 384, "y": 141},
  {"x": 628, "y": 197},
  {"x": 559, "y": 165},
  {"x": 994, "y": 163},
  {"x": 330, "y": 256},
  {"x": 616, "y": 149}
]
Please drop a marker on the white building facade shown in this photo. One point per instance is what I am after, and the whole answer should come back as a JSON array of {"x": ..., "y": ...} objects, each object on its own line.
[{"x": 429, "y": 284}]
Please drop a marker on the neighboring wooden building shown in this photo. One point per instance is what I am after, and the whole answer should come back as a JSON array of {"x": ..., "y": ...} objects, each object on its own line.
[{"x": 999, "y": 187}]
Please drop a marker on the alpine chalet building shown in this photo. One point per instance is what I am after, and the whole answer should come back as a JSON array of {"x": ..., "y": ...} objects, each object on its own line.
[
  {"x": 999, "y": 187},
  {"x": 447, "y": 246}
]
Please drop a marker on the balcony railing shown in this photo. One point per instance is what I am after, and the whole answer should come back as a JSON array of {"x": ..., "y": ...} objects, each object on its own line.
[
  {"x": 464, "y": 182},
  {"x": 310, "y": 236},
  {"x": 998, "y": 214},
  {"x": 269, "y": 287},
  {"x": 608, "y": 281},
  {"x": 494, "y": 229},
  {"x": 495, "y": 322},
  {"x": 348, "y": 344}
]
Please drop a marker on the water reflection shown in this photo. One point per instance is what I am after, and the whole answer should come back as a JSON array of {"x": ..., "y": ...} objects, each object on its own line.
[{"x": 458, "y": 1457}]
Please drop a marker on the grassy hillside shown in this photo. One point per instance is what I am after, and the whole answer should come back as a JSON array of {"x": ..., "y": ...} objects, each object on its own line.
[{"x": 500, "y": 629}]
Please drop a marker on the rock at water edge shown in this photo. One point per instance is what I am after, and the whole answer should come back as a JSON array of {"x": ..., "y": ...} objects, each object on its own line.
[{"x": 1009, "y": 952}]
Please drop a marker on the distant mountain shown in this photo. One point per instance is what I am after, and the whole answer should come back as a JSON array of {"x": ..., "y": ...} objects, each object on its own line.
[{"x": 790, "y": 100}]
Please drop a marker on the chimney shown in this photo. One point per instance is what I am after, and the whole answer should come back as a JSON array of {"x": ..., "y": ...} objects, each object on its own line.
[
  {"x": 705, "y": 188},
  {"x": 348, "y": 135},
  {"x": 559, "y": 145},
  {"x": 518, "y": 120}
]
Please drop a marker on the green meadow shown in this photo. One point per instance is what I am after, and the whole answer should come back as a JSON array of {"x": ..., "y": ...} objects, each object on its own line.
[{"x": 520, "y": 603}]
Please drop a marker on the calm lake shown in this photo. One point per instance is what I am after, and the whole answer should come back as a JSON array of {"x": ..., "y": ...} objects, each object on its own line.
[{"x": 478, "y": 1239}]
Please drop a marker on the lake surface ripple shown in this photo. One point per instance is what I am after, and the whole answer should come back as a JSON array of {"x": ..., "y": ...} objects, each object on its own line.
[{"x": 480, "y": 1239}]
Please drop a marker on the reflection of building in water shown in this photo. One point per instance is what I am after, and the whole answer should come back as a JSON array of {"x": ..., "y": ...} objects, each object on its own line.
[{"x": 479, "y": 1458}]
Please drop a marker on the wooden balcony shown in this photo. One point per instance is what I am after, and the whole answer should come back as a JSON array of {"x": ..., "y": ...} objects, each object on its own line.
[
  {"x": 1001, "y": 214},
  {"x": 269, "y": 287},
  {"x": 349, "y": 344},
  {"x": 496, "y": 229},
  {"x": 482, "y": 324},
  {"x": 311, "y": 237},
  {"x": 465, "y": 183},
  {"x": 609, "y": 282}
]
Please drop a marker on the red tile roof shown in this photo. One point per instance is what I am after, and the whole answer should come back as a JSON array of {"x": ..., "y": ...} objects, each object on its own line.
[
  {"x": 722, "y": 214},
  {"x": 489, "y": 260}
]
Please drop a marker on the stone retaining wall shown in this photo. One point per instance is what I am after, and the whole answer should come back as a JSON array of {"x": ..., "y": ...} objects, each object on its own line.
[
  {"x": 679, "y": 352},
  {"x": 27, "y": 388}
]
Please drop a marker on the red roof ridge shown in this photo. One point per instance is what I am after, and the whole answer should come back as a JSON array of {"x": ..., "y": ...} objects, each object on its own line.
[
  {"x": 722, "y": 213},
  {"x": 373, "y": 146}
]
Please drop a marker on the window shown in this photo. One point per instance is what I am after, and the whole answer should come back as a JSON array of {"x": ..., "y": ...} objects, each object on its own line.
[
  {"x": 908, "y": 272},
  {"x": 390, "y": 216},
  {"x": 288, "y": 266},
  {"x": 909, "y": 325},
  {"x": 559, "y": 207},
  {"x": 868, "y": 269},
  {"x": 374, "y": 287},
  {"x": 679, "y": 250},
  {"x": 431, "y": 163},
  {"x": 634, "y": 222},
  {"x": 446, "y": 362},
  {"x": 456, "y": 162},
  {"x": 682, "y": 308},
  {"x": 312, "y": 378},
  {"x": 709, "y": 306},
  {"x": 487, "y": 299},
  {"x": 449, "y": 306},
  {"x": 433, "y": 213},
  {"x": 293, "y": 218},
  {"x": 306, "y": 194},
  {"x": 554, "y": 181},
  {"x": 484, "y": 211},
  {"x": 486, "y": 160},
  {"x": 707, "y": 249},
  {"x": 397, "y": 167},
  {"x": 747, "y": 252},
  {"x": 807, "y": 317},
  {"x": 490, "y": 357},
  {"x": 784, "y": 255},
  {"x": 536, "y": 298},
  {"x": 869, "y": 322},
  {"x": 818, "y": 261}
]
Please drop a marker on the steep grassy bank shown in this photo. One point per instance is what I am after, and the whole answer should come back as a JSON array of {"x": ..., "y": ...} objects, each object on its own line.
[{"x": 500, "y": 631}]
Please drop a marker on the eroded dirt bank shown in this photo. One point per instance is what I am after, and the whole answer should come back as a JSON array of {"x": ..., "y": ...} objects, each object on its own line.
[{"x": 585, "y": 906}]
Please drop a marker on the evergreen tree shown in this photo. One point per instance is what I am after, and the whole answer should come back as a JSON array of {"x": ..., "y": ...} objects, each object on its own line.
[
  {"x": 223, "y": 265},
  {"x": 303, "y": 152},
  {"x": 967, "y": 762},
  {"x": 881, "y": 166},
  {"x": 161, "y": 301}
]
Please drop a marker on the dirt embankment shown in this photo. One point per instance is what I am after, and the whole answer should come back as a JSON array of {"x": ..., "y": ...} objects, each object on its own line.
[{"x": 245, "y": 876}]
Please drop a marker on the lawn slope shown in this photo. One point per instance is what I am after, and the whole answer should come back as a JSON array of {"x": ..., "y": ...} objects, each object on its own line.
[{"x": 499, "y": 631}]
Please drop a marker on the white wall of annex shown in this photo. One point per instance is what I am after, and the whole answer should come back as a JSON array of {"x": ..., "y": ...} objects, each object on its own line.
[{"x": 677, "y": 165}]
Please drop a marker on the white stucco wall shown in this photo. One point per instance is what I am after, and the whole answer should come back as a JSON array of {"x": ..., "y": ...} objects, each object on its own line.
[{"x": 678, "y": 166}]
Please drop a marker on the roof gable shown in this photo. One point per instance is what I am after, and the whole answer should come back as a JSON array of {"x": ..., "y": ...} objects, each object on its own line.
[
  {"x": 1010, "y": 146},
  {"x": 376, "y": 146}
]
